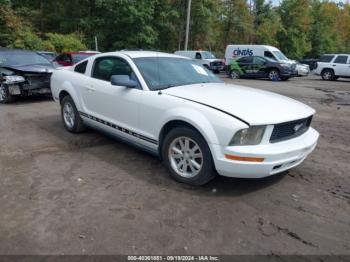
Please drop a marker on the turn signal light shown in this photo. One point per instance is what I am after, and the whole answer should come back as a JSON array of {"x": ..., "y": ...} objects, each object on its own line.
[{"x": 246, "y": 159}]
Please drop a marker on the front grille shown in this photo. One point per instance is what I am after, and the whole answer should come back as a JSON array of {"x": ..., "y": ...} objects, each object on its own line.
[
  {"x": 288, "y": 130},
  {"x": 36, "y": 81}
]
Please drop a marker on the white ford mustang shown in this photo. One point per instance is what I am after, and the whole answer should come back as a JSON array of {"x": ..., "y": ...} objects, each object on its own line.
[{"x": 173, "y": 107}]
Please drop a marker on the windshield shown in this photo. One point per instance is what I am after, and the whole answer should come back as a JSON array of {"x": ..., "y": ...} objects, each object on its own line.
[
  {"x": 165, "y": 72},
  {"x": 279, "y": 55},
  {"x": 208, "y": 55},
  {"x": 78, "y": 57},
  {"x": 22, "y": 59}
]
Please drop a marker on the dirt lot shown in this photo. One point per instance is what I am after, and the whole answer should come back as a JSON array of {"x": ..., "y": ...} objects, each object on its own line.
[{"x": 87, "y": 194}]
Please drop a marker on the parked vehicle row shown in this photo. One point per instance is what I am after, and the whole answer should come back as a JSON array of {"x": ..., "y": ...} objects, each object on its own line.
[{"x": 180, "y": 111}]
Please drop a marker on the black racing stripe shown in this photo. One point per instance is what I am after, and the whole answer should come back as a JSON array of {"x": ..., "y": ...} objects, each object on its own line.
[
  {"x": 119, "y": 128},
  {"x": 240, "y": 119}
]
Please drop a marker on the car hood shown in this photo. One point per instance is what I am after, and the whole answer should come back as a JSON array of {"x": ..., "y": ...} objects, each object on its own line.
[
  {"x": 31, "y": 68},
  {"x": 253, "y": 106}
]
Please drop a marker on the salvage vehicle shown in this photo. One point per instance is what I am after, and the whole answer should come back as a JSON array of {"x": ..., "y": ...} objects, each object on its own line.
[
  {"x": 71, "y": 58},
  {"x": 332, "y": 66},
  {"x": 23, "y": 73},
  {"x": 260, "y": 67},
  {"x": 180, "y": 111},
  {"x": 205, "y": 58}
]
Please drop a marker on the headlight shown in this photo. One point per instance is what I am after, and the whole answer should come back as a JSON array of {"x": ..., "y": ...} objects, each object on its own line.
[
  {"x": 286, "y": 65},
  {"x": 13, "y": 79},
  {"x": 249, "y": 136}
]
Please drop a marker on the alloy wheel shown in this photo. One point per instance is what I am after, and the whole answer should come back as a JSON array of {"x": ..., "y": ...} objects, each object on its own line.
[
  {"x": 327, "y": 75},
  {"x": 234, "y": 75},
  {"x": 68, "y": 115},
  {"x": 185, "y": 156},
  {"x": 273, "y": 75}
]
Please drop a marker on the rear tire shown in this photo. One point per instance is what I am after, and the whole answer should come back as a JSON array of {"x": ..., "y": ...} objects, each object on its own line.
[
  {"x": 187, "y": 156},
  {"x": 234, "y": 74},
  {"x": 328, "y": 75},
  {"x": 5, "y": 96},
  {"x": 70, "y": 116}
]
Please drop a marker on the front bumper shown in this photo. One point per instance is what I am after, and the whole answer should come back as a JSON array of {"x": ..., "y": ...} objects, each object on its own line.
[
  {"x": 217, "y": 68},
  {"x": 278, "y": 157}
]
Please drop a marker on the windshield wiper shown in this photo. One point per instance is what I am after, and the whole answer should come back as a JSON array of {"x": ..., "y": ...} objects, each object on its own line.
[{"x": 163, "y": 87}]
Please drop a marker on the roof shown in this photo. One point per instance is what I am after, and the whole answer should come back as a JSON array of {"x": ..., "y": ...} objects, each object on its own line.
[
  {"x": 336, "y": 54},
  {"x": 81, "y": 53},
  {"x": 138, "y": 54},
  {"x": 3, "y": 49}
]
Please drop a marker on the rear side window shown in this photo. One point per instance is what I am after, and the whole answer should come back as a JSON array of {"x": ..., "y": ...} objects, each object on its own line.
[
  {"x": 341, "y": 59},
  {"x": 247, "y": 59},
  {"x": 326, "y": 58},
  {"x": 81, "y": 68}
]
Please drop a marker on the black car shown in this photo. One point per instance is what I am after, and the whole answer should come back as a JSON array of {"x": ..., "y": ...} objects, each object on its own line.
[
  {"x": 261, "y": 67},
  {"x": 48, "y": 55},
  {"x": 23, "y": 73}
]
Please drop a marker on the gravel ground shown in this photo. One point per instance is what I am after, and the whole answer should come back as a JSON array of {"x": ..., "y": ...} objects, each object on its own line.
[{"x": 87, "y": 194}]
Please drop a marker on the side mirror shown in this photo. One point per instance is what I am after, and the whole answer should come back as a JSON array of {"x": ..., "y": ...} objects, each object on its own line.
[{"x": 123, "y": 80}]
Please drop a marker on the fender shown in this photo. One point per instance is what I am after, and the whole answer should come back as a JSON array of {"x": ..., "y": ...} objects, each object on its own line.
[
  {"x": 187, "y": 115},
  {"x": 67, "y": 86}
]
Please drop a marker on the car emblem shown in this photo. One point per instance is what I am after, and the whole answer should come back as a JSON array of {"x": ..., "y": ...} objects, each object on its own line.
[{"x": 297, "y": 127}]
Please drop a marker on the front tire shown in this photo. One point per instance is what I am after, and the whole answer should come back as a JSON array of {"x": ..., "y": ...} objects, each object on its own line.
[
  {"x": 187, "y": 156},
  {"x": 274, "y": 75},
  {"x": 70, "y": 116},
  {"x": 328, "y": 75},
  {"x": 5, "y": 96}
]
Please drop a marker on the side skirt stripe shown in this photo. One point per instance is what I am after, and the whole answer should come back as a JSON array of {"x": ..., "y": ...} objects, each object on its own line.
[{"x": 119, "y": 128}]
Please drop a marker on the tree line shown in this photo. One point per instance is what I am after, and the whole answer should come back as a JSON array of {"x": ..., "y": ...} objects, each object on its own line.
[{"x": 300, "y": 28}]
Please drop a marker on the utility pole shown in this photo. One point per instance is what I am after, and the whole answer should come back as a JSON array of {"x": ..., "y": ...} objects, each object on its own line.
[
  {"x": 188, "y": 23},
  {"x": 96, "y": 44}
]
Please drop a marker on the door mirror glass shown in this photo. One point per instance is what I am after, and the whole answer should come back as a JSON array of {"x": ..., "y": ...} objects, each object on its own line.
[{"x": 123, "y": 80}]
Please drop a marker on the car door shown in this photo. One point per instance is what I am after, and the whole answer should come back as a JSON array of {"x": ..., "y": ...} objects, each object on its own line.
[
  {"x": 259, "y": 66},
  {"x": 341, "y": 65},
  {"x": 118, "y": 105}
]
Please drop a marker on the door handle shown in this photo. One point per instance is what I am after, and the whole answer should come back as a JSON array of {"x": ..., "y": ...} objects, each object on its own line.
[{"x": 334, "y": 65}]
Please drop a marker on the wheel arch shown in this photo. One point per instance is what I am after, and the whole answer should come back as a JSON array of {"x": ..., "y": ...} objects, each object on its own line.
[
  {"x": 327, "y": 68},
  {"x": 179, "y": 122},
  {"x": 67, "y": 89}
]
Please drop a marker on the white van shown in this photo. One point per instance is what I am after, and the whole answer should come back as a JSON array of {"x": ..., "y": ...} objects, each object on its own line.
[
  {"x": 236, "y": 51},
  {"x": 206, "y": 58}
]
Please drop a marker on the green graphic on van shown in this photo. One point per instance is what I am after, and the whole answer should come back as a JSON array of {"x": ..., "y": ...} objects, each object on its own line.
[{"x": 245, "y": 69}]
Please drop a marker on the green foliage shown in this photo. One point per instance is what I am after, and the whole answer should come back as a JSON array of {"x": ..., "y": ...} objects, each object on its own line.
[
  {"x": 63, "y": 43},
  {"x": 298, "y": 27},
  {"x": 296, "y": 20}
]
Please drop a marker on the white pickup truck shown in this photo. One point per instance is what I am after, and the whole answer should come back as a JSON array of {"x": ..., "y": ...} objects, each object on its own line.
[{"x": 333, "y": 66}]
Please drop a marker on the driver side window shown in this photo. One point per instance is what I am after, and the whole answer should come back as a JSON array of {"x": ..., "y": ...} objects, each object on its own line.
[{"x": 105, "y": 67}]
